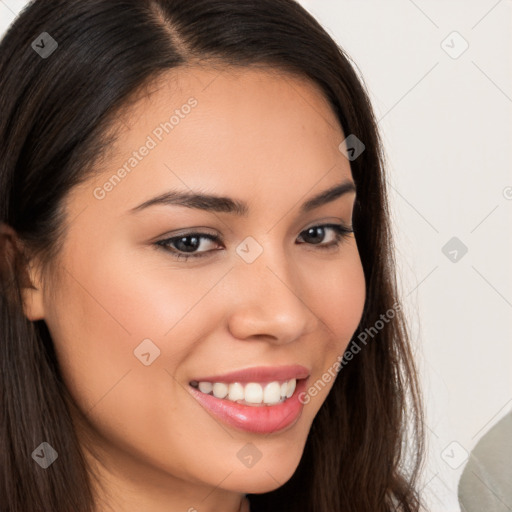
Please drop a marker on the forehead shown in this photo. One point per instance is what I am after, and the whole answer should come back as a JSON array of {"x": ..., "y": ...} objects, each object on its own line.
[
  {"x": 229, "y": 87},
  {"x": 230, "y": 106},
  {"x": 222, "y": 130}
]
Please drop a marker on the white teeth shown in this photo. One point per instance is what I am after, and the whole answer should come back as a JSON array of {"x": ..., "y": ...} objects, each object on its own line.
[
  {"x": 205, "y": 387},
  {"x": 236, "y": 392},
  {"x": 220, "y": 390},
  {"x": 272, "y": 393},
  {"x": 291, "y": 388},
  {"x": 252, "y": 393}
]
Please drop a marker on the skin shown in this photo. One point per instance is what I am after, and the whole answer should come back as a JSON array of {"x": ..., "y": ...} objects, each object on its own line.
[{"x": 255, "y": 135}]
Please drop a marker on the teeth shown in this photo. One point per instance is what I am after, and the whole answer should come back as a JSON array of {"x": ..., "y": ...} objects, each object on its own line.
[
  {"x": 236, "y": 392},
  {"x": 252, "y": 393},
  {"x": 205, "y": 387},
  {"x": 220, "y": 390},
  {"x": 291, "y": 388},
  {"x": 272, "y": 393}
]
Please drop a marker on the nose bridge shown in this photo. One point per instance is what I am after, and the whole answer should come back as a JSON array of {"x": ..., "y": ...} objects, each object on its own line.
[{"x": 269, "y": 298}]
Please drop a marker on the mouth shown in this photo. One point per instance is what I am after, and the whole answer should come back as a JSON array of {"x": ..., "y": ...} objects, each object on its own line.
[
  {"x": 252, "y": 394},
  {"x": 253, "y": 387},
  {"x": 256, "y": 407}
]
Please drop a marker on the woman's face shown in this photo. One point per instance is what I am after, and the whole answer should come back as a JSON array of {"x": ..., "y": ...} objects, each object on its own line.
[{"x": 133, "y": 324}]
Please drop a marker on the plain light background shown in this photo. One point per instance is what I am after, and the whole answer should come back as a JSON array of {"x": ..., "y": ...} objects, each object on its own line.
[{"x": 445, "y": 115}]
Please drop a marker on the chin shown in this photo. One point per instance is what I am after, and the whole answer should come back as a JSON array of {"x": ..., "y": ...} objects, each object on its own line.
[{"x": 262, "y": 480}]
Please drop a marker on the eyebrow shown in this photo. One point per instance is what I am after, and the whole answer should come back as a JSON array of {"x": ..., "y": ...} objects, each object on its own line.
[{"x": 224, "y": 204}]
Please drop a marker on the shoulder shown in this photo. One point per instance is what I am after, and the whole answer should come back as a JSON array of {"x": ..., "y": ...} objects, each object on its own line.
[{"x": 486, "y": 482}]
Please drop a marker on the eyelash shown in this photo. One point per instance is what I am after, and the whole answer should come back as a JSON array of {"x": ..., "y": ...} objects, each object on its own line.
[{"x": 340, "y": 230}]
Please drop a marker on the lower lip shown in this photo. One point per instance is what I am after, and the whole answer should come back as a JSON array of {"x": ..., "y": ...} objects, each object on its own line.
[{"x": 265, "y": 419}]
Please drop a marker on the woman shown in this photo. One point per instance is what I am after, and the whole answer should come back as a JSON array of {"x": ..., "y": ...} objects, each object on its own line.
[{"x": 199, "y": 308}]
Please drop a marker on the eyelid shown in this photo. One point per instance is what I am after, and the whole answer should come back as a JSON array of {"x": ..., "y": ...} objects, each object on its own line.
[
  {"x": 329, "y": 221},
  {"x": 192, "y": 231},
  {"x": 205, "y": 232}
]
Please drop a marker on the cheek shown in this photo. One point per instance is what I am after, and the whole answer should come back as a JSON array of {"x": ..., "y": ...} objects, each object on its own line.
[
  {"x": 340, "y": 301},
  {"x": 101, "y": 315},
  {"x": 341, "y": 297},
  {"x": 104, "y": 312}
]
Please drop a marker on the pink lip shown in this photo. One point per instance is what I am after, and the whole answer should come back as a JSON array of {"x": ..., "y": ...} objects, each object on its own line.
[
  {"x": 259, "y": 374},
  {"x": 264, "y": 419}
]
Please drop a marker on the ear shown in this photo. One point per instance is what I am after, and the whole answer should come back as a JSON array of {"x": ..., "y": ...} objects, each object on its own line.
[
  {"x": 13, "y": 260},
  {"x": 32, "y": 293}
]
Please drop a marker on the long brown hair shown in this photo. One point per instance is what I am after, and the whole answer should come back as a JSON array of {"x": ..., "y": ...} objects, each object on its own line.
[{"x": 56, "y": 112}]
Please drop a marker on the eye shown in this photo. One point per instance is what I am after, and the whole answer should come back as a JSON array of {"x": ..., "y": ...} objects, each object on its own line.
[
  {"x": 187, "y": 245},
  {"x": 340, "y": 231},
  {"x": 184, "y": 246}
]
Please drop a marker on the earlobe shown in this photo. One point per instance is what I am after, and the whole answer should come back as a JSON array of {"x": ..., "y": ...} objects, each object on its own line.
[{"x": 32, "y": 294}]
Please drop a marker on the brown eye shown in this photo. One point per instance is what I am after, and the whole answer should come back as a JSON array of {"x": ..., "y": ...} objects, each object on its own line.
[
  {"x": 185, "y": 246},
  {"x": 315, "y": 234}
]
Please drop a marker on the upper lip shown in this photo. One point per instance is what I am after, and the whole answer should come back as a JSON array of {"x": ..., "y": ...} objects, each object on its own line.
[{"x": 259, "y": 374}]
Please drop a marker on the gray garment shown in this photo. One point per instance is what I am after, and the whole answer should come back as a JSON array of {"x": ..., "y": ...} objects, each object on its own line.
[{"x": 486, "y": 482}]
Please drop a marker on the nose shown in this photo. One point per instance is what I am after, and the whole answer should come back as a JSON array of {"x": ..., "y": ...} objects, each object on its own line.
[{"x": 268, "y": 300}]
